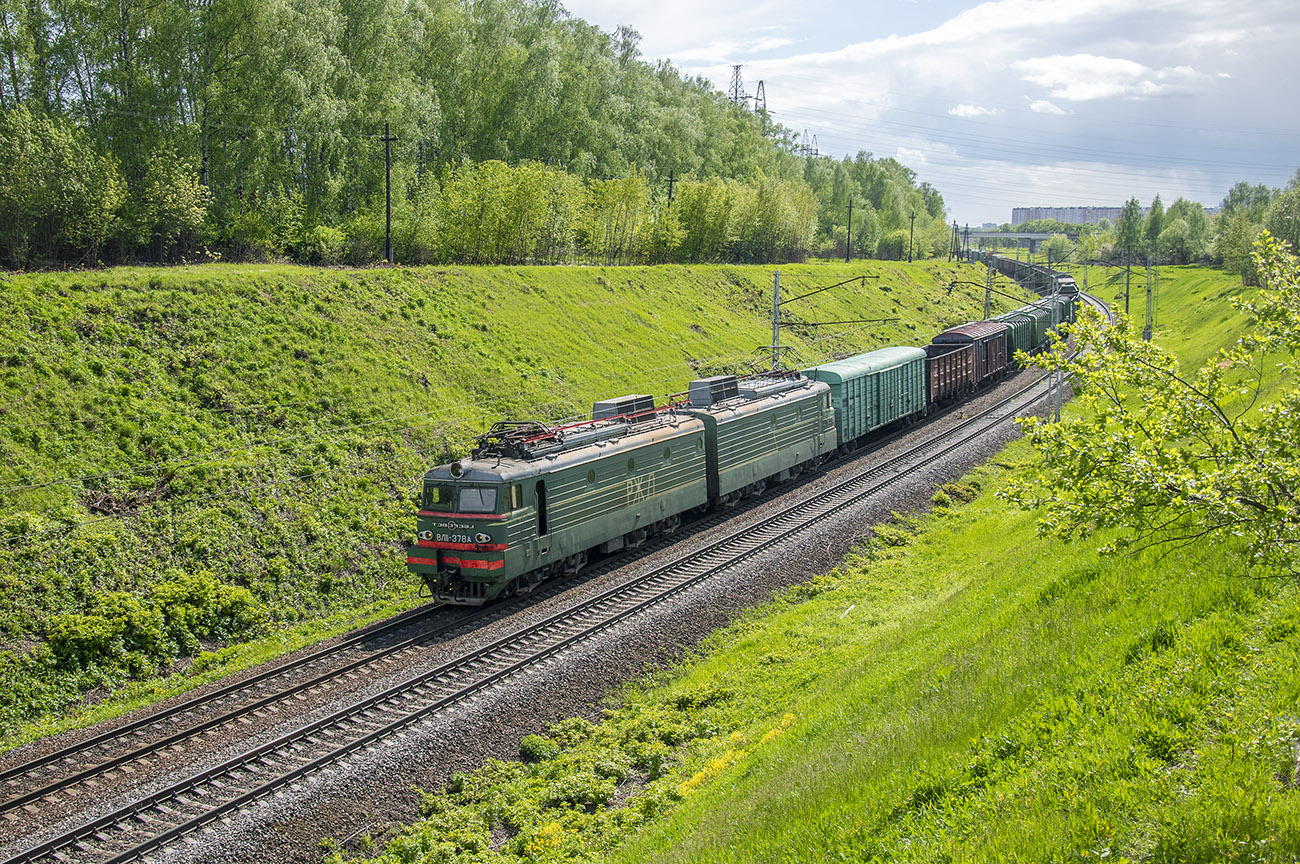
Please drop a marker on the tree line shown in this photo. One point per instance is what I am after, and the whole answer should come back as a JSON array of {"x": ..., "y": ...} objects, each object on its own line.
[
  {"x": 256, "y": 128},
  {"x": 1183, "y": 233}
]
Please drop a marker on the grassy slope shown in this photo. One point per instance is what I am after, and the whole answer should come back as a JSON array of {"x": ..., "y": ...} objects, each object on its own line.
[
  {"x": 972, "y": 692},
  {"x": 250, "y": 436},
  {"x": 1036, "y": 702}
]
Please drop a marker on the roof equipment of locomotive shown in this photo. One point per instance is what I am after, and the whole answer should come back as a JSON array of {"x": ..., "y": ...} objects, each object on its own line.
[{"x": 758, "y": 429}]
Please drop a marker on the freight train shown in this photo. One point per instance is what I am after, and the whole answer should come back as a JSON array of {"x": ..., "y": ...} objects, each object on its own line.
[
  {"x": 536, "y": 500},
  {"x": 1036, "y": 277}
]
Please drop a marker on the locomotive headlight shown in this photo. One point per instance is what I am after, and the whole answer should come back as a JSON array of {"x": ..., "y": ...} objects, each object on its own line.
[
  {"x": 425, "y": 535},
  {"x": 482, "y": 538}
]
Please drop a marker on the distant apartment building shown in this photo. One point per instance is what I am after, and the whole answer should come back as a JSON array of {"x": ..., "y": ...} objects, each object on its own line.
[
  {"x": 1079, "y": 215},
  {"x": 1072, "y": 215}
]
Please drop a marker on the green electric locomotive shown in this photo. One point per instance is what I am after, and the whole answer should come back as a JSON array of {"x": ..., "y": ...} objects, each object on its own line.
[{"x": 535, "y": 501}]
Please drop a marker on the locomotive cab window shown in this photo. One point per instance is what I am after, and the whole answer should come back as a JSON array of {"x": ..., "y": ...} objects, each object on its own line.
[
  {"x": 478, "y": 499},
  {"x": 439, "y": 498},
  {"x": 516, "y": 496}
]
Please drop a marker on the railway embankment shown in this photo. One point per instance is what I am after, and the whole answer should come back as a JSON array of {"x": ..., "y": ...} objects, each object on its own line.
[
  {"x": 202, "y": 468},
  {"x": 957, "y": 688}
]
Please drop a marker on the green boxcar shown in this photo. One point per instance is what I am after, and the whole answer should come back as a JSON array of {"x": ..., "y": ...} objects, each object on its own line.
[
  {"x": 1065, "y": 307},
  {"x": 1042, "y": 324},
  {"x": 1058, "y": 309},
  {"x": 874, "y": 389},
  {"x": 504, "y": 521},
  {"x": 760, "y": 429},
  {"x": 1020, "y": 332}
]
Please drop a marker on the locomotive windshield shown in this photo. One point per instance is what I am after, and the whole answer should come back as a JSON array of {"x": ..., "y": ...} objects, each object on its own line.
[
  {"x": 439, "y": 498},
  {"x": 478, "y": 499},
  {"x": 460, "y": 499}
]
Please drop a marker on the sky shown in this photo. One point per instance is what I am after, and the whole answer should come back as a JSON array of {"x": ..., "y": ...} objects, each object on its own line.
[{"x": 1011, "y": 103}]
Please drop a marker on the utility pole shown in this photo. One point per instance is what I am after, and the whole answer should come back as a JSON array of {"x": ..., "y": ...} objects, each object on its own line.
[
  {"x": 910, "y": 225},
  {"x": 388, "y": 194},
  {"x": 776, "y": 319},
  {"x": 760, "y": 100},
  {"x": 1128, "y": 270},
  {"x": 988, "y": 290},
  {"x": 1149, "y": 321},
  {"x": 1058, "y": 377},
  {"x": 966, "y": 245},
  {"x": 848, "y": 241}
]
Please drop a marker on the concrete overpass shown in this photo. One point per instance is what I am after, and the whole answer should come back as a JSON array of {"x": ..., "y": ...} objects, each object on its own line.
[{"x": 1031, "y": 239}]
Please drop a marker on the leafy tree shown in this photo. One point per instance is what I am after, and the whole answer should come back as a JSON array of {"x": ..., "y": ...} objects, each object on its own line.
[
  {"x": 704, "y": 210},
  {"x": 1129, "y": 229},
  {"x": 1247, "y": 199},
  {"x": 1282, "y": 219},
  {"x": 1057, "y": 247},
  {"x": 1155, "y": 224},
  {"x": 1186, "y": 236},
  {"x": 173, "y": 202},
  {"x": 866, "y": 229},
  {"x": 59, "y": 196},
  {"x": 1170, "y": 456},
  {"x": 1235, "y": 245}
]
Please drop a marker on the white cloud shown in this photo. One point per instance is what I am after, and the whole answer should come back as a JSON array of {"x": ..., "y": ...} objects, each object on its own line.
[
  {"x": 1085, "y": 77},
  {"x": 910, "y": 156},
  {"x": 1078, "y": 101},
  {"x": 1042, "y": 106},
  {"x": 727, "y": 49},
  {"x": 965, "y": 110}
]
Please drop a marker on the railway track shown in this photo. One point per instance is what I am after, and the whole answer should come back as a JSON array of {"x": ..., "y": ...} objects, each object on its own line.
[
  {"x": 71, "y": 771},
  {"x": 192, "y": 804}
]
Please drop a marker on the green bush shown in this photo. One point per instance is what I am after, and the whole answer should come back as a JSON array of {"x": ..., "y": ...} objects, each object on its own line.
[
  {"x": 537, "y": 748},
  {"x": 198, "y": 605},
  {"x": 121, "y": 632},
  {"x": 321, "y": 244},
  {"x": 579, "y": 790}
]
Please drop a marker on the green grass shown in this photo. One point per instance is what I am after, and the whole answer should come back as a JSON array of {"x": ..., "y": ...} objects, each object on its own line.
[
  {"x": 198, "y": 457},
  {"x": 936, "y": 698},
  {"x": 959, "y": 689}
]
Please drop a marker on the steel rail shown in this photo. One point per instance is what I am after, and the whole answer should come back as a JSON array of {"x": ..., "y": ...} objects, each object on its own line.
[
  {"x": 64, "y": 753},
  {"x": 10, "y": 777}
]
